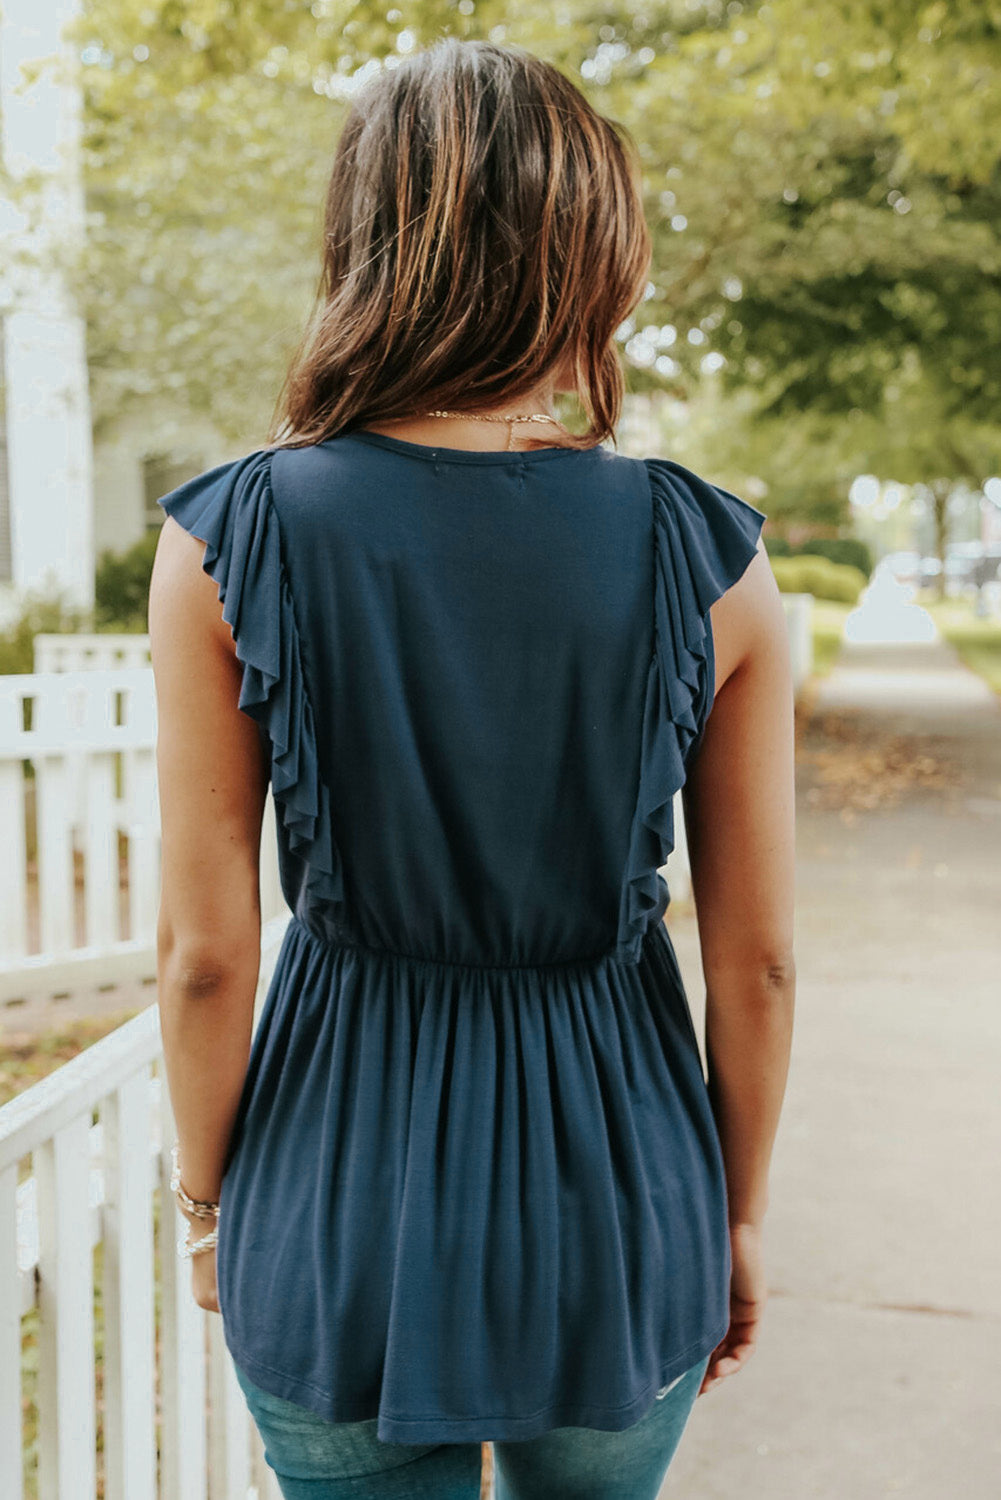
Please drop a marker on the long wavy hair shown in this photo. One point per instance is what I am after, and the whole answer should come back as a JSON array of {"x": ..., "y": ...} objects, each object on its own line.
[{"x": 483, "y": 232}]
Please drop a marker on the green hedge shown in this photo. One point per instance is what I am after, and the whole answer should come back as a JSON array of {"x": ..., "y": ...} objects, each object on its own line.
[
  {"x": 804, "y": 573},
  {"x": 40, "y": 614},
  {"x": 848, "y": 550},
  {"x": 121, "y": 585}
]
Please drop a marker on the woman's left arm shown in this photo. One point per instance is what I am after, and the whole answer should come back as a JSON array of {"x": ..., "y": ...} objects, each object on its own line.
[{"x": 212, "y": 769}]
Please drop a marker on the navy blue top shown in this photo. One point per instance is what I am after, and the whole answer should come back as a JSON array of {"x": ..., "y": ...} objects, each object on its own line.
[{"x": 474, "y": 1189}]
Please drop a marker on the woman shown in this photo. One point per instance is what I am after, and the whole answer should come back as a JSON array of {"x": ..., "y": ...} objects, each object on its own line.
[{"x": 469, "y": 1181}]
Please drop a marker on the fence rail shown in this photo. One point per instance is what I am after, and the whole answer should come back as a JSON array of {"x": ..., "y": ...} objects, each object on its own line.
[{"x": 78, "y": 651}]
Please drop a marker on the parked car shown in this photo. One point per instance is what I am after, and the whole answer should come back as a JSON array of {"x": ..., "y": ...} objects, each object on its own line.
[
  {"x": 972, "y": 563},
  {"x": 966, "y": 564},
  {"x": 986, "y": 568}
]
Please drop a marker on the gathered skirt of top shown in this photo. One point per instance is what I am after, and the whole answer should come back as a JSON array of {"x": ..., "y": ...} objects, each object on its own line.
[{"x": 502, "y": 1159}]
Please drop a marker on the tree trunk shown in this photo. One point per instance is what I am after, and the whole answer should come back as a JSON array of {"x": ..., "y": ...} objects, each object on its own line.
[{"x": 941, "y": 490}]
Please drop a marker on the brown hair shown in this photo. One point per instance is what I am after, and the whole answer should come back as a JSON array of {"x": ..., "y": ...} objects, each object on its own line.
[{"x": 484, "y": 229}]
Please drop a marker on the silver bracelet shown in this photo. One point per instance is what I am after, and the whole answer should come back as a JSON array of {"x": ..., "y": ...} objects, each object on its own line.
[{"x": 186, "y": 1251}]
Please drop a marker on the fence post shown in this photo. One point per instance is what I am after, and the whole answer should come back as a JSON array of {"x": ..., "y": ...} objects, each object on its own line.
[
  {"x": 182, "y": 1343},
  {"x": 66, "y": 1399},
  {"x": 11, "y": 1442},
  {"x": 129, "y": 1363},
  {"x": 14, "y": 906}
]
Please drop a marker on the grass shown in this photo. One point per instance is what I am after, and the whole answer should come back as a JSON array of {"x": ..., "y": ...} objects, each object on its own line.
[{"x": 978, "y": 641}]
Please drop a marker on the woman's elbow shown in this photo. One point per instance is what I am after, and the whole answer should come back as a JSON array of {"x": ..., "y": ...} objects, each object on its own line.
[
  {"x": 200, "y": 962},
  {"x": 761, "y": 976},
  {"x": 779, "y": 971}
]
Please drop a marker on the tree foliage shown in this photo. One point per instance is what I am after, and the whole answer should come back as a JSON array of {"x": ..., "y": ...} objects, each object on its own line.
[{"x": 822, "y": 182}]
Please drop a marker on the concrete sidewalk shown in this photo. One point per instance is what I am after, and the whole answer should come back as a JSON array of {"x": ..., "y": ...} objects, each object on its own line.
[{"x": 878, "y": 1371}]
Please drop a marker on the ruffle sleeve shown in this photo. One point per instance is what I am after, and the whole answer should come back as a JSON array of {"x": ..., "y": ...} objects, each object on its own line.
[
  {"x": 704, "y": 537},
  {"x": 231, "y": 509}
]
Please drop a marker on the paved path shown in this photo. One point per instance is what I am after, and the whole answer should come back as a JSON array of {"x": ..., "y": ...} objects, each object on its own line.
[{"x": 879, "y": 1373}]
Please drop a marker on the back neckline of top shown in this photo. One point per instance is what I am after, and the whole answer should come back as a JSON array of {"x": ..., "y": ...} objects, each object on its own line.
[{"x": 460, "y": 455}]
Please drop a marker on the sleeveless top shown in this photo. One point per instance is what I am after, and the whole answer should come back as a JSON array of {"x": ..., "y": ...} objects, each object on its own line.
[{"x": 474, "y": 1189}]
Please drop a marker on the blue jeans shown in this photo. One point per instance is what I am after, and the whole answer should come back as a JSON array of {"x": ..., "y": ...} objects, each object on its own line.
[{"x": 319, "y": 1460}]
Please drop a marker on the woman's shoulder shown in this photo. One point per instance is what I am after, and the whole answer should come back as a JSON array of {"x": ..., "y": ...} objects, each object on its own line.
[
  {"x": 695, "y": 498},
  {"x": 705, "y": 534},
  {"x": 222, "y": 499},
  {"x": 274, "y": 476}
]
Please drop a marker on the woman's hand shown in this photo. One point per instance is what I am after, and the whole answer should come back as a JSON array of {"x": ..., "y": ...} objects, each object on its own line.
[
  {"x": 203, "y": 1265},
  {"x": 748, "y": 1294}
]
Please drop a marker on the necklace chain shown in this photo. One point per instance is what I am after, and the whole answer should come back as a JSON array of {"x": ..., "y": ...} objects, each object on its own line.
[{"x": 476, "y": 416}]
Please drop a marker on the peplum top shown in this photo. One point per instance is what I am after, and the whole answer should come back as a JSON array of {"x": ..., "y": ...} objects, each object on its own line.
[{"x": 474, "y": 1188}]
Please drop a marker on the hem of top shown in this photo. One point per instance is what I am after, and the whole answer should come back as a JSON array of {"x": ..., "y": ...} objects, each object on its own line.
[
  {"x": 437, "y": 454},
  {"x": 623, "y": 954},
  {"x": 393, "y": 1427}
]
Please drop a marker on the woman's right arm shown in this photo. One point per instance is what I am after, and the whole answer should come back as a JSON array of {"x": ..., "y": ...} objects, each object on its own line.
[{"x": 739, "y": 802}]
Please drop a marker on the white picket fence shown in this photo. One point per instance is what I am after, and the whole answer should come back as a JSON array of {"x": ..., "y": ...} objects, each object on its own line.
[
  {"x": 79, "y": 827},
  {"x": 68, "y": 1184}
]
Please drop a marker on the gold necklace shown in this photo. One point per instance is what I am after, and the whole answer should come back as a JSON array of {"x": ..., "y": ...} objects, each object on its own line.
[{"x": 476, "y": 416}]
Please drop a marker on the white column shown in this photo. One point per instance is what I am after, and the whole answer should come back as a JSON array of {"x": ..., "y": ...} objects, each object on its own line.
[{"x": 49, "y": 439}]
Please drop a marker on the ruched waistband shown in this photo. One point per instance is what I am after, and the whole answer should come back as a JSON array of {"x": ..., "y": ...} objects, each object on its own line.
[{"x": 618, "y": 955}]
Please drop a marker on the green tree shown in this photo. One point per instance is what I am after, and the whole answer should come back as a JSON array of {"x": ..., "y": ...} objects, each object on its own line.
[{"x": 824, "y": 201}]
